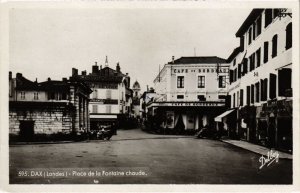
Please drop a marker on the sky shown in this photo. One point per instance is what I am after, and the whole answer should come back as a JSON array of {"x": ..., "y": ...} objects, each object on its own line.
[{"x": 50, "y": 42}]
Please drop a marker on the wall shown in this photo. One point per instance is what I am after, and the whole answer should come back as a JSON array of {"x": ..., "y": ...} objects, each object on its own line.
[{"x": 45, "y": 122}]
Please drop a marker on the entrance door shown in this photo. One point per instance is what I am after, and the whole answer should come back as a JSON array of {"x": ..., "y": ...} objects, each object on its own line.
[{"x": 26, "y": 130}]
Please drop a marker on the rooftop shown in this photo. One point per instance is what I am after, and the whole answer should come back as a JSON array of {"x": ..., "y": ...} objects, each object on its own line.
[
  {"x": 249, "y": 21},
  {"x": 199, "y": 60}
]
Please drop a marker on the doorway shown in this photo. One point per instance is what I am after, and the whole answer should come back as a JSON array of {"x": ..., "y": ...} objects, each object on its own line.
[{"x": 26, "y": 130}]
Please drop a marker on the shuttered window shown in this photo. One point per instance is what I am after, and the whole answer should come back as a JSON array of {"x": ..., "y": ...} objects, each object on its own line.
[
  {"x": 258, "y": 58},
  {"x": 272, "y": 92},
  {"x": 274, "y": 46},
  {"x": 245, "y": 66},
  {"x": 284, "y": 81},
  {"x": 249, "y": 36},
  {"x": 231, "y": 76},
  {"x": 266, "y": 52},
  {"x": 248, "y": 95},
  {"x": 288, "y": 31},
  {"x": 268, "y": 17},
  {"x": 252, "y": 93},
  {"x": 257, "y": 92},
  {"x": 242, "y": 97},
  {"x": 258, "y": 26},
  {"x": 233, "y": 100}
]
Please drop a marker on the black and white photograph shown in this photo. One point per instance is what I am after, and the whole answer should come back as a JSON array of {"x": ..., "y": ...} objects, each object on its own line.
[{"x": 150, "y": 95}]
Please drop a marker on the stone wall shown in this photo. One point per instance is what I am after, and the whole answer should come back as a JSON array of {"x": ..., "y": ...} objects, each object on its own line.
[{"x": 46, "y": 120}]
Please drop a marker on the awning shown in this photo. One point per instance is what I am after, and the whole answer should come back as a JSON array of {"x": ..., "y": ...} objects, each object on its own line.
[{"x": 219, "y": 118}]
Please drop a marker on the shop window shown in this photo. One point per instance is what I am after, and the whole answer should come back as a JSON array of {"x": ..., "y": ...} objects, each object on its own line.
[
  {"x": 257, "y": 92},
  {"x": 241, "y": 97},
  {"x": 288, "y": 34},
  {"x": 222, "y": 82},
  {"x": 274, "y": 46},
  {"x": 284, "y": 81},
  {"x": 252, "y": 93},
  {"x": 180, "y": 81},
  {"x": 180, "y": 97},
  {"x": 64, "y": 96},
  {"x": 266, "y": 52},
  {"x": 201, "y": 81},
  {"x": 248, "y": 95},
  {"x": 268, "y": 17},
  {"x": 272, "y": 92},
  {"x": 258, "y": 58},
  {"x": 201, "y": 98}
]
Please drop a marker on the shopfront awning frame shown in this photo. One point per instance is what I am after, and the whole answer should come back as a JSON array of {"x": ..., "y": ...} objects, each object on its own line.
[{"x": 226, "y": 113}]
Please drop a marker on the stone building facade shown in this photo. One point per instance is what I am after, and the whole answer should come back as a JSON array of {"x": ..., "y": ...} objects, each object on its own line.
[
  {"x": 110, "y": 100},
  {"x": 261, "y": 79},
  {"x": 190, "y": 92},
  {"x": 47, "y": 108}
]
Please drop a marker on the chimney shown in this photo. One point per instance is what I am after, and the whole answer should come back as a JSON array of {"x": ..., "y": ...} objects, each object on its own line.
[
  {"x": 19, "y": 75},
  {"x": 74, "y": 71},
  {"x": 100, "y": 67},
  {"x": 95, "y": 69},
  {"x": 147, "y": 88},
  {"x": 49, "y": 79},
  {"x": 10, "y": 75},
  {"x": 126, "y": 73},
  {"x": 36, "y": 80},
  {"x": 83, "y": 72},
  {"x": 173, "y": 58},
  {"x": 64, "y": 79},
  {"x": 118, "y": 69}
]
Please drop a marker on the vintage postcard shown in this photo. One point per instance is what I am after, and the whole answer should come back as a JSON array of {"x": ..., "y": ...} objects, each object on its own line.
[{"x": 150, "y": 96}]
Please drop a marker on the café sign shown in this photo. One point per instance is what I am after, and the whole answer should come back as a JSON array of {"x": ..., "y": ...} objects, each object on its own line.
[{"x": 190, "y": 104}]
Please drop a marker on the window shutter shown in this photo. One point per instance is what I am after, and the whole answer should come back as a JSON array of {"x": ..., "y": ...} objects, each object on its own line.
[
  {"x": 284, "y": 80},
  {"x": 248, "y": 95},
  {"x": 272, "y": 86},
  {"x": 242, "y": 97},
  {"x": 231, "y": 76},
  {"x": 266, "y": 52},
  {"x": 252, "y": 93}
]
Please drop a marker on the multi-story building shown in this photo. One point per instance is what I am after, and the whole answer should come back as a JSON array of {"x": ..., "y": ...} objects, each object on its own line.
[
  {"x": 45, "y": 108},
  {"x": 190, "y": 92},
  {"x": 111, "y": 96},
  {"x": 261, "y": 78}
]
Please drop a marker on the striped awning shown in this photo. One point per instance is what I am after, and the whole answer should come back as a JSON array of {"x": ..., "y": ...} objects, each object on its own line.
[{"x": 220, "y": 117}]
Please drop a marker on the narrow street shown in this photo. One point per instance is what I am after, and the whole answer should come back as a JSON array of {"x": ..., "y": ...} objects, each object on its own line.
[{"x": 161, "y": 160}]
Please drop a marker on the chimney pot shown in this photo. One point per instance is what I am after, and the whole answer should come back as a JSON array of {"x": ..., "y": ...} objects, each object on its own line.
[
  {"x": 173, "y": 58},
  {"x": 10, "y": 75},
  {"x": 118, "y": 69},
  {"x": 83, "y": 72},
  {"x": 19, "y": 75},
  {"x": 49, "y": 79},
  {"x": 74, "y": 71}
]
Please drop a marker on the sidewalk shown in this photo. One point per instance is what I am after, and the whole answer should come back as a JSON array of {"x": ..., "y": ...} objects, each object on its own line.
[{"x": 256, "y": 148}]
